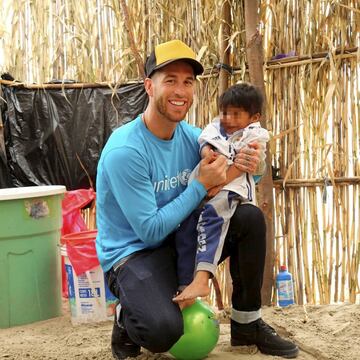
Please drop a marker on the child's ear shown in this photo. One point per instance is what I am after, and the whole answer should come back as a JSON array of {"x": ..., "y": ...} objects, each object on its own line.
[{"x": 256, "y": 117}]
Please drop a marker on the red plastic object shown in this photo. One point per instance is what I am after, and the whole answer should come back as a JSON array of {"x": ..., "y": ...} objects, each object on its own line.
[
  {"x": 73, "y": 222},
  {"x": 72, "y": 204},
  {"x": 81, "y": 250}
]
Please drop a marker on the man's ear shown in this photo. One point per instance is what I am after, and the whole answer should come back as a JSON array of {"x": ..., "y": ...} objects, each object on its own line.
[{"x": 148, "y": 84}]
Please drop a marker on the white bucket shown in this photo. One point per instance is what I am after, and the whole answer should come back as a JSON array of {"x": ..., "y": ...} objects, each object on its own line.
[{"x": 90, "y": 299}]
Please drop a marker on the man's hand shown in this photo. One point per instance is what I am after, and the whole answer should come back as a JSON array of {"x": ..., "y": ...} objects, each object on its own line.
[
  {"x": 212, "y": 171},
  {"x": 248, "y": 158}
]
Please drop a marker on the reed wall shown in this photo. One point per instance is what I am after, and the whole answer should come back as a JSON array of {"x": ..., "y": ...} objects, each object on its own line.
[{"x": 313, "y": 102}]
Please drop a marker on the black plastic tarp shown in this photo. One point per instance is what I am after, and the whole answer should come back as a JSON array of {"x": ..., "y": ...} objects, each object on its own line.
[{"x": 56, "y": 136}]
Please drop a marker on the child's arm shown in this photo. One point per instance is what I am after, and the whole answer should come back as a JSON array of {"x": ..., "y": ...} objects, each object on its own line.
[
  {"x": 248, "y": 160},
  {"x": 231, "y": 174}
]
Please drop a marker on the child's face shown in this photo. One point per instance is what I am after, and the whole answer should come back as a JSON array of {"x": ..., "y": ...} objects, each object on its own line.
[{"x": 234, "y": 118}]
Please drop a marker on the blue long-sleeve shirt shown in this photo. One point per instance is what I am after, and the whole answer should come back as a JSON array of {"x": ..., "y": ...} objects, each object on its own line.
[{"x": 142, "y": 192}]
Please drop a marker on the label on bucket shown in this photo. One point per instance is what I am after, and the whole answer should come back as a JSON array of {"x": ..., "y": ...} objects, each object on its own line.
[
  {"x": 37, "y": 208},
  {"x": 89, "y": 298}
]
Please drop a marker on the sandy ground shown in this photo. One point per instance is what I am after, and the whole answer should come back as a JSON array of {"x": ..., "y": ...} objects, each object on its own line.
[{"x": 321, "y": 332}]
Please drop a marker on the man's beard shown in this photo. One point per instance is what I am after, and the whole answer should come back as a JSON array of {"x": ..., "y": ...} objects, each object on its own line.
[{"x": 161, "y": 106}]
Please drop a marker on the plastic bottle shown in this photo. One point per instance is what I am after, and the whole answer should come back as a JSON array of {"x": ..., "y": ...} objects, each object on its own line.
[{"x": 284, "y": 285}]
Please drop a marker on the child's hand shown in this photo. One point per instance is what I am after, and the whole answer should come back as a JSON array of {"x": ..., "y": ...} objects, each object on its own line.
[
  {"x": 214, "y": 191},
  {"x": 205, "y": 150}
]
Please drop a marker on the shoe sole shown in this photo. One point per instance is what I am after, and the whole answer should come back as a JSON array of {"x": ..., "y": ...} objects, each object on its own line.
[
  {"x": 287, "y": 354},
  {"x": 240, "y": 343},
  {"x": 124, "y": 356}
]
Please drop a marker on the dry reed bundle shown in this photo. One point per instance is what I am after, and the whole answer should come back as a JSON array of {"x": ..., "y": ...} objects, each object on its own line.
[
  {"x": 89, "y": 215},
  {"x": 86, "y": 41}
]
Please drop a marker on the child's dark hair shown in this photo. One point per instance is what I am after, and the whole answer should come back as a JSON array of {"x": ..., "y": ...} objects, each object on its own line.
[{"x": 244, "y": 96}]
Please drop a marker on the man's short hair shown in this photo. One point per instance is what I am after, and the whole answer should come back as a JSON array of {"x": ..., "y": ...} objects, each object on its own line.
[{"x": 244, "y": 96}]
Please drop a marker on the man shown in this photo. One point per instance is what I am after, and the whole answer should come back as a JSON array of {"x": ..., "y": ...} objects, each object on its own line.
[{"x": 142, "y": 197}]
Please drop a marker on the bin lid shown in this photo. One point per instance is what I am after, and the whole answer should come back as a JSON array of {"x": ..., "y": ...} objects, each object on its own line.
[{"x": 31, "y": 192}]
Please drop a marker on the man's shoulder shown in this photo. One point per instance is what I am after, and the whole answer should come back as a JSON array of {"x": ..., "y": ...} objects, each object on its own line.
[
  {"x": 128, "y": 128},
  {"x": 126, "y": 136},
  {"x": 125, "y": 133}
]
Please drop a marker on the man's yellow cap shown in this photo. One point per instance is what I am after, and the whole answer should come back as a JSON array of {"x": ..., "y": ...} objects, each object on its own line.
[{"x": 169, "y": 52}]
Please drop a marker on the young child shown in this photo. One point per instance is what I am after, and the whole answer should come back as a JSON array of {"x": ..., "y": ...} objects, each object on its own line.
[{"x": 236, "y": 127}]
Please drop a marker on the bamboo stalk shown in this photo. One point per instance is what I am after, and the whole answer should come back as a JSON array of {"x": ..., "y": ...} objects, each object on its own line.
[
  {"x": 354, "y": 270},
  {"x": 339, "y": 181},
  {"x": 325, "y": 252},
  {"x": 224, "y": 46},
  {"x": 287, "y": 230},
  {"x": 299, "y": 255},
  {"x": 218, "y": 298},
  {"x": 318, "y": 253},
  {"x": 60, "y": 86},
  {"x": 337, "y": 256},
  {"x": 305, "y": 250},
  {"x": 307, "y": 59}
]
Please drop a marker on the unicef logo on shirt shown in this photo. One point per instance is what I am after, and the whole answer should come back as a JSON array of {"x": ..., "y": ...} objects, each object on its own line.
[
  {"x": 173, "y": 182},
  {"x": 184, "y": 176}
]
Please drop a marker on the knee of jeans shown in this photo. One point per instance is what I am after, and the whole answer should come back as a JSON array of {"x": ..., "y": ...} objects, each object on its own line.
[
  {"x": 253, "y": 215},
  {"x": 164, "y": 334},
  {"x": 256, "y": 216}
]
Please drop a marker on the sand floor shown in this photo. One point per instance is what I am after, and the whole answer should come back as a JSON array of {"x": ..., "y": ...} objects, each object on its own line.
[{"x": 321, "y": 332}]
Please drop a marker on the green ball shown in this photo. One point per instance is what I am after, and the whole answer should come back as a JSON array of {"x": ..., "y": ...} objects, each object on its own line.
[{"x": 201, "y": 333}]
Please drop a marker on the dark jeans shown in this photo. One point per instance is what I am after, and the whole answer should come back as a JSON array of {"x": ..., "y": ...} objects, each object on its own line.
[
  {"x": 147, "y": 282},
  {"x": 246, "y": 246}
]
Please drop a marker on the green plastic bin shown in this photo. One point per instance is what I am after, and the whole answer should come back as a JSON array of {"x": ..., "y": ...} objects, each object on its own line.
[{"x": 30, "y": 271}]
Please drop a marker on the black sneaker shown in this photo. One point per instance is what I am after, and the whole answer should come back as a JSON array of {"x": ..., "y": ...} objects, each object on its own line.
[
  {"x": 262, "y": 335},
  {"x": 122, "y": 346}
]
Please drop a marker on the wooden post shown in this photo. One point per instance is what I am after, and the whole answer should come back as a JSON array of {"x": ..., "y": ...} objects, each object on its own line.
[
  {"x": 255, "y": 60},
  {"x": 223, "y": 85}
]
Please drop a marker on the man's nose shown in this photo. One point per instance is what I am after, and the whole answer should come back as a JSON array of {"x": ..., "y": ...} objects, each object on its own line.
[{"x": 181, "y": 90}]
